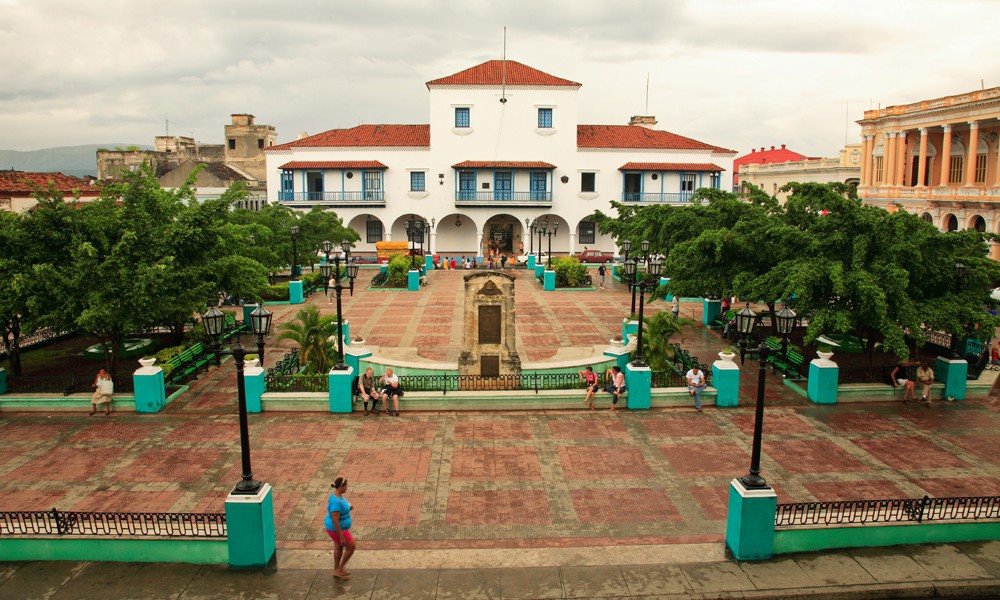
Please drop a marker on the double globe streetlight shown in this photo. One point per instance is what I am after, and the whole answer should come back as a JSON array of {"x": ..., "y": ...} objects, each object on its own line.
[
  {"x": 260, "y": 323},
  {"x": 630, "y": 279},
  {"x": 643, "y": 283},
  {"x": 333, "y": 270}
]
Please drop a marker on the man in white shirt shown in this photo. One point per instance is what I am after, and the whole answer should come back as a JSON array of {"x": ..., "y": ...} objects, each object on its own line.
[{"x": 696, "y": 383}]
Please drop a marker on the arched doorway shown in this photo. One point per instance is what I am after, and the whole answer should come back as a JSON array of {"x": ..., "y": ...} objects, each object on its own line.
[
  {"x": 950, "y": 222},
  {"x": 370, "y": 229},
  {"x": 978, "y": 223},
  {"x": 455, "y": 234},
  {"x": 928, "y": 217},
  {"x": 503, "y": 233},
  {"x": 928, "y": 164}
]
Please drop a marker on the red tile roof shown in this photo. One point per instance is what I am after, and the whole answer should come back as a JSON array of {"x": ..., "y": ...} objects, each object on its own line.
[
  {"x": 333, "y": 164},
  {"x": 757, "y": 157},
  {"x": 503, "y": 164},
  {"x": 22, "y": 182},
  {"x": 491, "y": 72},
  {"x": 652, "y": 166},
  {"x": 365, "y": 136},
  {"x": 637, "y": 137}
]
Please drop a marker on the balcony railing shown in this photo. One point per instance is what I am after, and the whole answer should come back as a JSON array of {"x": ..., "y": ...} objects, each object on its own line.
[
  {"x": 952, "y": 192},
  {"x": 658, "y": 197},
  {"x": 472, "y": 198},
  {"x": 369, "y": 197}
]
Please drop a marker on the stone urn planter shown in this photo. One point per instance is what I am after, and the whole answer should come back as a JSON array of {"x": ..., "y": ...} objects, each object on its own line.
[
  {"x": 147, "y": 362},
  {"x": 727, "y": 356},
  {"x": 617, "y": 340},
  {"x": 251, "y": 362},
  {"x": 824, "y": 355}
]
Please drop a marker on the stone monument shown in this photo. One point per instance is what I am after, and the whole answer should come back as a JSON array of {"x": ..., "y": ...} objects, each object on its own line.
[{"x": 488, "y": 345}]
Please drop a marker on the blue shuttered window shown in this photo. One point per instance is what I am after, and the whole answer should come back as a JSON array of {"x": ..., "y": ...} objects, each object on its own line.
[
  {"x": 418, "y": 181},
  {"x": 462, "y": 117},
  {"x": 544, "y": 118}
]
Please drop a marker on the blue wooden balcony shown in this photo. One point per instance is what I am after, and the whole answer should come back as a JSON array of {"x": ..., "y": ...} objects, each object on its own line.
[
  {"x": 369, "y": 198},
  {"x": 502, "y": 198},
  {"x": 658, "y": 197}
]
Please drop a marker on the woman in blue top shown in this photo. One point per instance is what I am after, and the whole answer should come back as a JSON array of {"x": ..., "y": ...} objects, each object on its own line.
[{"x": 338, "y": 527}]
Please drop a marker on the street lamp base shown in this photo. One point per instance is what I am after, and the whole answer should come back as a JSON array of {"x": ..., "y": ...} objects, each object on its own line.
[
  {"x": 247, "y": 487},
  {"x": 638, "y": 362},
  {"x": 340, "y": 367},
  {"x": 753, "y": 482}
]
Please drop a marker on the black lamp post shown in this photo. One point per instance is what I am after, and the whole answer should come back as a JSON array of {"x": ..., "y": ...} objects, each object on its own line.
[
  {"x": 295, "y": 252},
  {"x": 214, "y": 321},
  {"x": 539, "y": 227},
  {"x": 260, "y": 323},
  {"x": 338, "y": 287},
  {"x": 421, "y": 227},
  {"x": 550, "y": 233},
  {"x": 530, "y": 226},
  {"x": 411, "y": 228},
  {"x": 643, "y": 286},
  {"x": 753, "y": 480},
  {"x": 326, "y": 269},
  {"x": 785, "y": 320},
  {"x": 746, "y": 320}
]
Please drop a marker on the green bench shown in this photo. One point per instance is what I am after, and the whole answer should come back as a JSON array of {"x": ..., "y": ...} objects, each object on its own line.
[
  {"x": 188, "y": 363},
  {"x": 722, "y": 319},
  {"x": 683, "y": 361},
  {"x": 790, "y": 363}
]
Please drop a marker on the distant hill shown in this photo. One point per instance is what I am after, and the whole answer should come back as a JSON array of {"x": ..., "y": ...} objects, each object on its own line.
[{"x": 71, "y": 160}]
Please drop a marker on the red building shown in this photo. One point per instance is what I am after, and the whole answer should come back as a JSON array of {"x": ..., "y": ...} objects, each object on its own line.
[
  {"x": 18, "y": 188},
  {"x": 756, "y": 157}
]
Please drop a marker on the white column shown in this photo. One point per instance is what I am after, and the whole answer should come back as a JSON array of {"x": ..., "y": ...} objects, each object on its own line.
[
  {"x": 479, "y": 244},
  {"x": 572, "y": 244},
  {"x": 387, "y": 235},
  {"x": 433, "y": 243}
]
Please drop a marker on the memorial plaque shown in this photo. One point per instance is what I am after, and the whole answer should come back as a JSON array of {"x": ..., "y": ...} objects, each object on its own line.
[
  {"x": 489, "y": 324},
  {"x": 489, "y": 366}
]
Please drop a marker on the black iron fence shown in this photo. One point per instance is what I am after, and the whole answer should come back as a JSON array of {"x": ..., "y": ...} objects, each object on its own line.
[
  {"x": 297, "y": 382},
  {"x": 65, "y": 383},
  {"x": 55, "y": 522},
  {"x": 663, "y": 379},
  {"x": 859, "y": 512},
  {"x": 875, "y": 374},
  {"x": 525, "y": 381}
]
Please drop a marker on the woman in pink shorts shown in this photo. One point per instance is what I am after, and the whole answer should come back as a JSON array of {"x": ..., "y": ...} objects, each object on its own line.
[{"x": 338, "y": 527}]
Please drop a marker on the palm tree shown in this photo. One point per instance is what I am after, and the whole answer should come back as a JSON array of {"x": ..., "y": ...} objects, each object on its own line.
[
  {"x": 312, "y": 332},
  {"x": 662, "y": 326}
]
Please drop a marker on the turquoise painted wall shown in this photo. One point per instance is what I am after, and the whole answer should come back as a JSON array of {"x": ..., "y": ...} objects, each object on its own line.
[
  {"x": 212, "y": 551},
  {"x": 825, "y": 538}
]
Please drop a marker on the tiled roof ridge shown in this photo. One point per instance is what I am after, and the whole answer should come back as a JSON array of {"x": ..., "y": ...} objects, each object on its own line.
[
  {"x": 640, "y": 137},
  {"x": 31, "y": 181},
  {"x": 492, "y": 73},
  {"x": 367, "y": 134}
]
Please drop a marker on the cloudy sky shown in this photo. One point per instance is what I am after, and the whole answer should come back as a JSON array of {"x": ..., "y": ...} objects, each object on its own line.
[{"x": 736, "y": 73}]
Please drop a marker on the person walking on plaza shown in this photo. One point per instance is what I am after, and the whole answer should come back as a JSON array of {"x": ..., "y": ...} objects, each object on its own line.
[
  {"x": 696, "y": 383},
  {"x": 104, "y": 387},
  {"x": 675, "y": 307},
  {"x": 367, "y": 390},
  {"x": 925, "y": 375},
  {"x": 602, "y": 271},
  {"x": 338, "y": 527},
  {"x": 899, "y": 379},
  {"x": 503, "y": 261},
  {"x": 590, "y": 378}
]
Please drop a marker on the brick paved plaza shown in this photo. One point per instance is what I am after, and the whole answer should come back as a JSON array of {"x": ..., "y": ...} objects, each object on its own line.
[{"x": 496, "y": 480}]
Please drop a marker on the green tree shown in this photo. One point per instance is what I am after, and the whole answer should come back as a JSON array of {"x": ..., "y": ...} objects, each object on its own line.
[
  {"x": 312, "y": 333},
  {"x": 660, "y": 329}
]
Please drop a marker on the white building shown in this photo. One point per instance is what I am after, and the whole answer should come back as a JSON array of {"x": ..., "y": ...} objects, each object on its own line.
[{"x": 503, "y": 147}]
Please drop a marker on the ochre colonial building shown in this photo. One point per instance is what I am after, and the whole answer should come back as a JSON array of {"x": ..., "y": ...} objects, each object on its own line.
[
  {"x": 936, "y": 158},
  {"x": 772, "y": 176}
]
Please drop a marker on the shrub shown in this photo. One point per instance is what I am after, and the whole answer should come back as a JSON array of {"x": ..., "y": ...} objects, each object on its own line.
[
  {"x": 399, "y": 266},
  {"x": 166, "y": 354},
  {"x": 275, "y": 292},
  {"x": 569, "y": 272}
]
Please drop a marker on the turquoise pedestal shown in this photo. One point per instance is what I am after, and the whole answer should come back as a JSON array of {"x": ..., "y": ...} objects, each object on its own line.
[
  {"x": 639, "y": 381},
  {"x": 150, "y": 395},
  {"x": 539, "y": 269},
  {"x": 295, "y": 295},
  {"x": 750, "y": 522},
  {"x": 531, "y": 261},
  {"x": 620, "y": 355},
  {"x": 253, "y": 379},
  {"x": 354, "y": 356},
  {"x": 247, "y": 309},
  {"x": 549, "y": 281},
  {"x": 341, "y": 397},
  {"x": 428, "y": 262},
  {"x": 629, "y": 329},
  {"x": 383, "y": 269},
  {"x": 250, "y": 529},
  {"x": 3, "y": 381},
  {"x": 413, "y": 280},
  {"x": 726, "y": 381},
  {"x": 712, "y": 310},
  {"x": 953, "y": 373},
  {"x": 664, "y": 281},
  {"x": 824, "y": 377}
]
